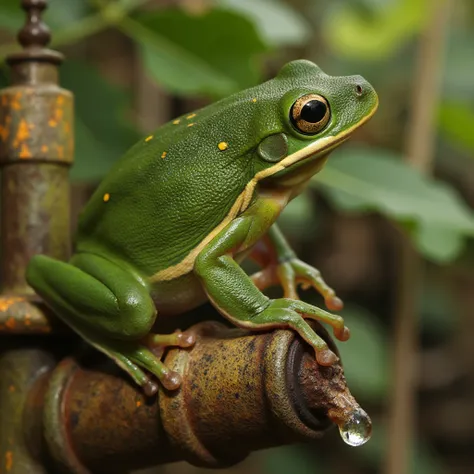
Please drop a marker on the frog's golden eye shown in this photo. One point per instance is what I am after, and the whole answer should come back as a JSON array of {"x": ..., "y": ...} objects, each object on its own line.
[{"x": 310, "y": 114}]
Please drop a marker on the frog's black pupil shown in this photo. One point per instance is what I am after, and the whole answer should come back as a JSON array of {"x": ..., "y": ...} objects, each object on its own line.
[{"x": 313, "y": 111}]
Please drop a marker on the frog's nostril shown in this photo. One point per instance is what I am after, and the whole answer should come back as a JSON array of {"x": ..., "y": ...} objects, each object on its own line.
[{"x": 359, "y": 90}]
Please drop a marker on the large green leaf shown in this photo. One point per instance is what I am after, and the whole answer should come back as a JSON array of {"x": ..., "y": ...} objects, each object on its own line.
[
  {"x": 367, "y": 179},
  {"x": 58, "y": 13},
  {"x": 278, "y": 23},
  {"x": 352, "y": 32},
  {"x": 102, "y": 133},
  {"x": 214, "y": 53}
]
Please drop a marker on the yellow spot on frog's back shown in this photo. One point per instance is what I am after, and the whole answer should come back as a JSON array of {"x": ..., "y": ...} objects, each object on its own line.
[
  {"x": 190, "y": 116},
  {"x": 223, "y": 146},
  {"x": 254, "y": 100},
  {"x": 8, "y": 460},
  {"x": 106, "y": 197},
  {"x": 175, "y": 122},
  {"x": 147, "y": 139},
  {"x": 163, "y": 155},
  {"x": 190, "y": 124}
]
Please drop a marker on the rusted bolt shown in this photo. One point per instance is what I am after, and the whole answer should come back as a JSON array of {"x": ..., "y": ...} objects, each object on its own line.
[{"x": 241, "y": 392}]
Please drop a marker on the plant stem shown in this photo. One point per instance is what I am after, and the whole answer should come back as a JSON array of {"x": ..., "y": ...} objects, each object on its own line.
[{"x": 419, "y": 154}]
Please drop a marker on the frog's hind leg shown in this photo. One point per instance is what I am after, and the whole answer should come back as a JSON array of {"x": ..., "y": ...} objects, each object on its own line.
[{"x": 112, "y": 309}]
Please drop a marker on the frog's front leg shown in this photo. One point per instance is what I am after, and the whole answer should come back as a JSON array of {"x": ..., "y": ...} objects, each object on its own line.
[
  {"x": 280, "y": 265},
  {"x": 233, "y": 293},
  {"x": 111, "y": 308}
]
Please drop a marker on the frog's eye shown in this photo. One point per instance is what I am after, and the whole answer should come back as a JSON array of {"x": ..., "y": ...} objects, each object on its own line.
[{"x": 310, "y": 114}]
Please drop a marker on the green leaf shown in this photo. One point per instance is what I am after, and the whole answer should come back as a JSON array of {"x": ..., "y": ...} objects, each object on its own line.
[
  {"x": 366, "y": 179},
  {"x": 351, "y": 32},
  {"x": 58, "y": 13},
  {"x": 456, "y": 121},
  {"x": 278, "y": 24},
  {"x": 364, "y": 355},
  {"x": 214, "y": 53},
  {"x": 102, "y": 133},
  {"x": 11, "y": 15}
]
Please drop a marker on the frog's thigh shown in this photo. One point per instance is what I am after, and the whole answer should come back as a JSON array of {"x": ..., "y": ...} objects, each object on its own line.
[{"x": 95, "y": 293}]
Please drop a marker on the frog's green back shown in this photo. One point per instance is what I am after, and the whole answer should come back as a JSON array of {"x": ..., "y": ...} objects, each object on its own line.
[
  {"x": 173, "y": 188},
  {"x": 170, "y": 190}
]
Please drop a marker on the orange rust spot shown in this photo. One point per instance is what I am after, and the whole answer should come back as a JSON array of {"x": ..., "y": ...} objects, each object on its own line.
[
  {"x": 60, "y": 100},
  {"x": 44, "y": 148},
  {"x": 23, "y": 132},
  {"x": 175, "y": 122},
  {"x": 8, "y": 460},
  {"x": 147, "y": 139},
  {"x": 25, "y": 152},
  {"x": 16, "y": 101},
  {"x": 67, "y": 127},
  {"x": 4, "y": 100},
  {"x": 4, "y": 132},
  {"x": 11, "y": 388},
  {"x": 190, "y": 116},
  {"x": 190, "y": 124},
  {"x": 163, "y": 155},
  {"x": 10, "y": 323},
  {"x": 6, "y": 303},
  {"x": 60, "y": 149},
  {"x": 139, "y": 403},
  {"x": 52, "y": 123},
  {"x": 106, "y": 197}
]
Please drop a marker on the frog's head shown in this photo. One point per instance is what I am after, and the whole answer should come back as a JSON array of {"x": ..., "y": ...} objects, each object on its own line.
[{"x": 313, "y": 114}]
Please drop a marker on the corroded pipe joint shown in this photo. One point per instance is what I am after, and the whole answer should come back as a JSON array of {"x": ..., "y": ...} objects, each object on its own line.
[
  {"x": 36, "y": 150},
  {"x": 240, "y": 392}
]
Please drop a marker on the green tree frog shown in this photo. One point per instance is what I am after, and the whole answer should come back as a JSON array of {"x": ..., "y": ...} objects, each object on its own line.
[{"x": 171, "y": 223}]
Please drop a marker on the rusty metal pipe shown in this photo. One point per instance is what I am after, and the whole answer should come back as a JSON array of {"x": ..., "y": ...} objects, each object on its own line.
[
  {"x": 241, "y": 392},
  {"x": 36, "y": 150}
]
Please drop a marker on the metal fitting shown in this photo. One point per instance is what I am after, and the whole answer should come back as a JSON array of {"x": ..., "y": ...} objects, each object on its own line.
[{"x": 241, "y": 392}]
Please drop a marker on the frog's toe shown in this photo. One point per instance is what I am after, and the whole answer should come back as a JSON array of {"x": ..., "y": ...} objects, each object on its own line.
[{"x": 159, "y": 342}]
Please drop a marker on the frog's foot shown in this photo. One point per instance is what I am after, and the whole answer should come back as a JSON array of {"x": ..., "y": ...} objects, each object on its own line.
[
  {"x": 158, "y": 343},
  {"x": 137, "y": 359},
  {"x": 294, "y": 272},
  {"x": 292, "y": 313}
]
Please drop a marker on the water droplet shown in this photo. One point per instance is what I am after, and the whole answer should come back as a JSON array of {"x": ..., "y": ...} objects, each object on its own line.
[{"x": 356, "y": 430}]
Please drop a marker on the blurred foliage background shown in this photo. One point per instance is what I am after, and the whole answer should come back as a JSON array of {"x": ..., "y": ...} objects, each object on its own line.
[{"x": 135, "y": 64}]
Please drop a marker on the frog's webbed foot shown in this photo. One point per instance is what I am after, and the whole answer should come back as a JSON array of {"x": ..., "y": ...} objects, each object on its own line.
[
  {"x": 292, "y": 313},
  {"x": 294, "y": 272},
  {"x": 133, "y": 357}
]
